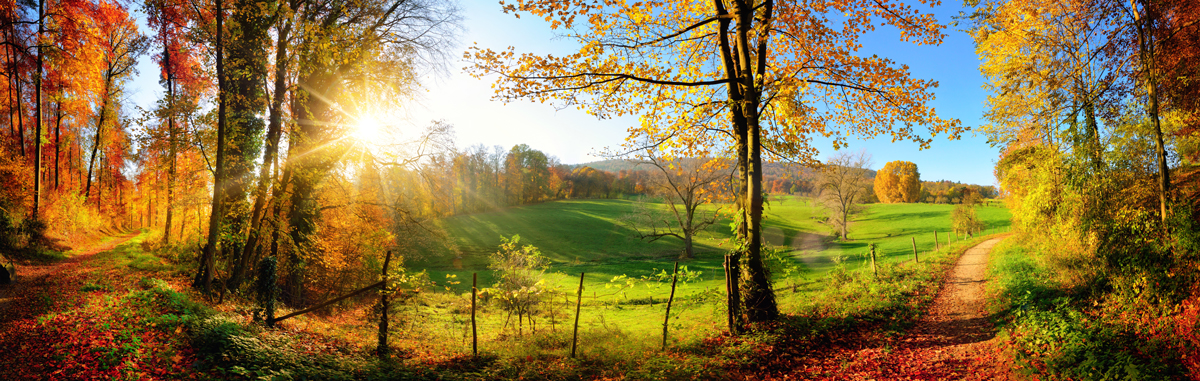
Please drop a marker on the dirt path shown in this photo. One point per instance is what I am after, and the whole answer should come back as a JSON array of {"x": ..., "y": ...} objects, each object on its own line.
[
  {"x": 32, "y": 291},
  {"x": 954, "y": 340}
]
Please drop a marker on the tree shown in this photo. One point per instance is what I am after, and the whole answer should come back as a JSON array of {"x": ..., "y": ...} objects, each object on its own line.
[
  {"x": 1060, "y": 70},
  {"x": 519, "y": 285},
  {"x": 119, "y": 44},
  {"x": 898, "y": 181},
  {"x": 526, "y": 175},
  {"x": 179, "y": 76},
  {"x": 349, "y": 56},
  {"x": 685, "y": 185},
  {"x": 842, "y": 184},
  {"x": 963, "y": 219},
  {"x": 748, "y": 75}
]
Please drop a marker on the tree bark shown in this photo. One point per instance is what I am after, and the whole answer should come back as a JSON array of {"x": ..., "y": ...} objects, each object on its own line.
[
  {"x": 87, "y": 190},
  {"x": 37, "y": 135},
  {"x": 172, "y": 147},
  {"x": 57, "y": 140},
  {"x": 1146, "y": 45},
  {"x": 759, "y": 297},
  {"x": 274, "y": 131},
  {"x": 208, "y": 258}
]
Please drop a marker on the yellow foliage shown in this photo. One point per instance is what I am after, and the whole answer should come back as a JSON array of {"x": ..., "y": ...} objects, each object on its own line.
[{"x": 898, "y": 181}]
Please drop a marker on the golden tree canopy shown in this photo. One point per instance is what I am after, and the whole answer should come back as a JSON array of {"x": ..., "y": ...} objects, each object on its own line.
[
  {"x": 664, "y": 61},
  {"x": 898, "y": 181}
]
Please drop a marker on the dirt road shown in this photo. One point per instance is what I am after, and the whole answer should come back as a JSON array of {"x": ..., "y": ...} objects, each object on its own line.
[{"x": 954, "y": 340}]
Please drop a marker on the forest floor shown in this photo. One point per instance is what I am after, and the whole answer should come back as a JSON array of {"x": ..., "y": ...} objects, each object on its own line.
[
  {"x": 65, "y": 320},
  {"x": 953, "y": 340}
]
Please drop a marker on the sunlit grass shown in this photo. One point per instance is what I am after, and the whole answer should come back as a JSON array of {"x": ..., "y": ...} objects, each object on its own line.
[{"x": 584, "y": 236}]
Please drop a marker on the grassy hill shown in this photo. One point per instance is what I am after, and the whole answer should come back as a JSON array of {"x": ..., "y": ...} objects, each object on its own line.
[{"x": 585, "y": 235}]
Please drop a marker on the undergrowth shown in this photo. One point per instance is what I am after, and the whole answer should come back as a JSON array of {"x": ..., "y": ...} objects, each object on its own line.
[{"x": 1060, "y": 323}]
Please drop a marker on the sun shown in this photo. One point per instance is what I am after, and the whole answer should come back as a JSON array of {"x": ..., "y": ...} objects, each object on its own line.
[{"x": 369, "y": 130}]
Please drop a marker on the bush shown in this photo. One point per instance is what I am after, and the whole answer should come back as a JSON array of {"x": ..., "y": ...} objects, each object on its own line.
[
  {"x": 519, "y": 286},
  {"x": 964, "y": 220}
]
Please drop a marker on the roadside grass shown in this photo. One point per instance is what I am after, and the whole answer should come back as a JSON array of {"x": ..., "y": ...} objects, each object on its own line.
[
  {"x": 1057, "y": 328},
  {"x": 893, "y": 297}
]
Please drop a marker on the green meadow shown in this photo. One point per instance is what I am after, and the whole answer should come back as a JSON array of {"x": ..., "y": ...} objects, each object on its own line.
[{"x": 586, "y": 236}]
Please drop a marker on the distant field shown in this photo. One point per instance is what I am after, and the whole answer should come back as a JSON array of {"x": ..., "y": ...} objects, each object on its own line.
[{"x": 585, "y": 235}]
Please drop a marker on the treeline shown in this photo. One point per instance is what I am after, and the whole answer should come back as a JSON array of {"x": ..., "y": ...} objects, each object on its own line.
[
  {"x": 802, "y": 182},
  {"x": 66, "y": 148},
  {"x": 479, "y": 179},
  {"x": 950, "y": 192}
]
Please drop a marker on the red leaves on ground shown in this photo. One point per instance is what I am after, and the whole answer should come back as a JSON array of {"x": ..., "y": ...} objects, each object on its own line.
[{"x": 56, "y": 328}]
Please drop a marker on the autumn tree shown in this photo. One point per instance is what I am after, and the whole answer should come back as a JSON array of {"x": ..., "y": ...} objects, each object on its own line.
[
  {"x": 1062, "y": 73},
  {"x": 898, "y": 181},
  {"x": 753, "y": 76},
  {"x": 841, "y": 186},
  {"x": 685, "y": 186},
  {"x": 526, "y": 175},
  {"x": 180, "y": 76},
  {"x": 119, "y": 44}
]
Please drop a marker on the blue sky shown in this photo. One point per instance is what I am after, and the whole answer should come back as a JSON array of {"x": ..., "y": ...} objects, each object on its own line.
[{"x": 573, "y": 136}]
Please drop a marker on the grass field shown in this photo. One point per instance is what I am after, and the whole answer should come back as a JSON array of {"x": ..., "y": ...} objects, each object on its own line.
[{"x": 585, "y": 236}]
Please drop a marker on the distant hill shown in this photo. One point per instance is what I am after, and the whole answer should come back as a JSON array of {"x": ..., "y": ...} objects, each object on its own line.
[
  {"x": 613, "y": 165},
  {"x": 771, "y": 170}
]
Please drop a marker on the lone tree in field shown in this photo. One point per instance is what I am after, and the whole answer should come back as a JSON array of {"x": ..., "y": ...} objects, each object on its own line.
[
  {"x": 898, "y": 181},
  {"x": 964, "y": 220},
  {"x": 519, "y": 285},
  {"x": 684, "y": 185},
  {"x": 747, "y": 76},
  {"x": 842, "y": 185}
]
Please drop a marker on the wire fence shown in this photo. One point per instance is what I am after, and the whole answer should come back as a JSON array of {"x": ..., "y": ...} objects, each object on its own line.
[{"x": 608, "y": 319}]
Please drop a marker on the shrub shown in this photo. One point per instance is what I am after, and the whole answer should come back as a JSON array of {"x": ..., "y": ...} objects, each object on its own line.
[{"x": 519, "y": 286}]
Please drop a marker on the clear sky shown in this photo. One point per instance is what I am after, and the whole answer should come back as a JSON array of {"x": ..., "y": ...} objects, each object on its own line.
[{"x": 573, "y": 136}]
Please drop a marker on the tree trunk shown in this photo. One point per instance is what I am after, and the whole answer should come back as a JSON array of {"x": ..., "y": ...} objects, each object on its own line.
[
  {"x": 87, "y": 190},
  {"x": 57, "y": 140},
  {"x": 759, "y": 297},
  {"x": 171, "y": 144},
  {"x": 1146, "y": 45},
  {"x": 274, "y": 131},
  {"x": 37, "y": 135},
  {"x": 20, "y": 111},
  {"x": 208, "y": 258},
  {"x": 688, "y": 251}
]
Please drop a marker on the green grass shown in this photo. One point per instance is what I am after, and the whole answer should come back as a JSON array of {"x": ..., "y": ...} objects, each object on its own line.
[
  {"x": 585, "y": 236},
  {"x": 1054, "y": 331}
]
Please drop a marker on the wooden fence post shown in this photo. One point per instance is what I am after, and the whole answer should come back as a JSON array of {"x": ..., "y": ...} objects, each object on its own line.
[
  {"x": 936, "y": 246},
  {"x": 733, "y": 303},
  {"x": 578, "y": 302},
  {"x": 383, "y": 349},
  {"x": 474, "y": 333},
  {"x": 915, "y": 257},
  {"x": 728, "y": 291},
  {"x": 674, "y": 277},
  {"x": 874, "y": 269}
]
